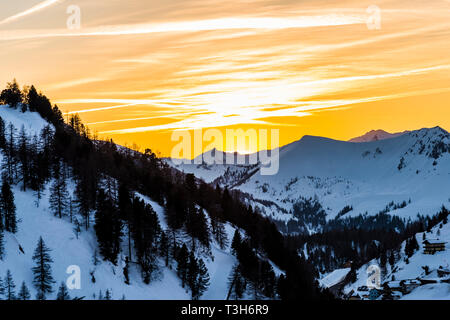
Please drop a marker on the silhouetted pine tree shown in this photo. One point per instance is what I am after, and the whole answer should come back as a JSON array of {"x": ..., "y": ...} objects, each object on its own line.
[
  {"x": 145, "y": 232},
  {"x": 23, "y": 154},
  {"x": 8, "y": 208},
  {"x": 2, "y": 134},
  {"x": 107, "y": 227},
  {"x": 219, "y": 233},
  {"x": 9, "y": 286},
  {"x": 124, "y": 204},
  {"x": 43, "y": 279},
  {"x": 2, "y": 246},
  {"x": 197, "y": 226},
  {"x": 198, "y": 277},
  {"x": 236, "y": 242},
  {"x": 9, "y": 156},
  {"x": 63, "y": 292},
  {"x": 164, "y": 248},
  {"x": 24, "y": 293},
  {"x": 59, "y": 196},
  {"x": 182, "y": 264},
  {"x": 11, "y": 95},
  {"x": 236, "y": 284}
]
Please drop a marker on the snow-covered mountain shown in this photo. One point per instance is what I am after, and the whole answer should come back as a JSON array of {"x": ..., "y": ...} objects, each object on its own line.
[
  {"x": 407, "y": 174},
  {"x": 376, "y": 135}
]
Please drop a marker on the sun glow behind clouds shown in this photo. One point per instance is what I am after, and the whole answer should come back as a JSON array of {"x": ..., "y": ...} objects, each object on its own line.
[{"x": 136, "y": 72}]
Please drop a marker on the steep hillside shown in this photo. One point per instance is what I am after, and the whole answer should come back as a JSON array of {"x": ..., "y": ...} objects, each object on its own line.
[{"x": 80, "y": 247}]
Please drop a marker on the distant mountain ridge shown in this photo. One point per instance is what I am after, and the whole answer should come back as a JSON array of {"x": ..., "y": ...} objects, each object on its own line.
[
  {"x": 365, "y": 176},
  {"x": 376, "y": 135}
]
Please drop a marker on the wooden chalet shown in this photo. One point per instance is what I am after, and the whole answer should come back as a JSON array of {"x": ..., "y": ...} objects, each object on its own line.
[{"x": 433, "y": 246}]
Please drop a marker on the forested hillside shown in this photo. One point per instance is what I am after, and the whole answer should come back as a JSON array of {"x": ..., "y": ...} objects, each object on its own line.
[{"x": 128, "y": 215}]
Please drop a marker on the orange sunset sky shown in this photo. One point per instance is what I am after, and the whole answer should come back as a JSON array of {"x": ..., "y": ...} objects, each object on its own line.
[{"x": 136, "y": 70}]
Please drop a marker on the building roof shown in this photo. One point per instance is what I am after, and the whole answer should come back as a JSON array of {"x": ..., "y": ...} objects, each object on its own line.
[
  {"x": 393, "y": 284},
  {"x": 433, "y": 241},
  {"x": 412, "y": 281},
  {"x": 334, "y": 278}
]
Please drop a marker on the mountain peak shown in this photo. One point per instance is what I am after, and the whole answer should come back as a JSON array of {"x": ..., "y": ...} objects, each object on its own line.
[{"x": 376, "y": 135}]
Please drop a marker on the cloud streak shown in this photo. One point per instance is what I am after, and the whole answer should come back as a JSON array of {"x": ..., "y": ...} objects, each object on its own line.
[
  {"x": 232, "y": 23},
  {"x": 40, "y": 6}
]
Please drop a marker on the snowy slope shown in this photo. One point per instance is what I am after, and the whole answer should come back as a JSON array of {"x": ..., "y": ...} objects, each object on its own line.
[
  {"x": 368, "y": 176},
  {"x": 36, "y": 220},
  {"x": 31, "y": 121}
]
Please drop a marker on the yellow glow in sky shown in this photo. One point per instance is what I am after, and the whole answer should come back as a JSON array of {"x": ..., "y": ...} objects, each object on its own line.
[{"x": 137, "y": 70}]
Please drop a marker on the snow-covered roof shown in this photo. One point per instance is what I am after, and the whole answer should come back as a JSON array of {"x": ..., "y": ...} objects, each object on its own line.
[
  {"x": 394, "y": 284},
  {"x": 413, "y": 281},
  {"x": 334, "y": 278},
  {"x": 434, "y": 241}
]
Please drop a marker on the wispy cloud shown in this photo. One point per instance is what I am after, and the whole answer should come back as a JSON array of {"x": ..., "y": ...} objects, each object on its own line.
[
  {"x": 40, "y": 6},
  {"x": 305, "y": 108},
  {"x": 232, "y": 23}
]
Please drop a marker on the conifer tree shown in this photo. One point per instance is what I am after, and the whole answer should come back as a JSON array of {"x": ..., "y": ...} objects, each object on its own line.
[
  {"x": 63, "y": 292},
  {"x": 8, "y": 208},
  {"x": 198, "y": 277},
  {"x": 23, "y": 154},
  {"x": 24, "y": 293},
  {"x": 9, "y": 286},
  {"x": 236, "y": 285},
  {"x": 236, "y": 242},
  {"x": 125, "y": 206},
  {"x": 83, "y": 199},
  {"x": 197, "y": 226},
  {"x": 202, "y": 282},
  {"x": 2, "y": 246},
  {"x": 2, "y": 288},
  {"x": 2, "y": 134},
  {"x": 59, "y": 199},
  {"x": 218, "y": 230},
  {"x": 9, "y": 156},
  {"x": 164, "y": 248},
  {"x": 192, "y": 273},
  {"x": 43, "y": 279},
  {"x": 182, "y": 264},
  {"x": 11, "y": 95},
  {"x": 107, "y": 227}
]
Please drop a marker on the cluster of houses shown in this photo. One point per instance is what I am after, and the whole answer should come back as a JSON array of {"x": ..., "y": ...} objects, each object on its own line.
[{"x": 394, "y": 290}]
